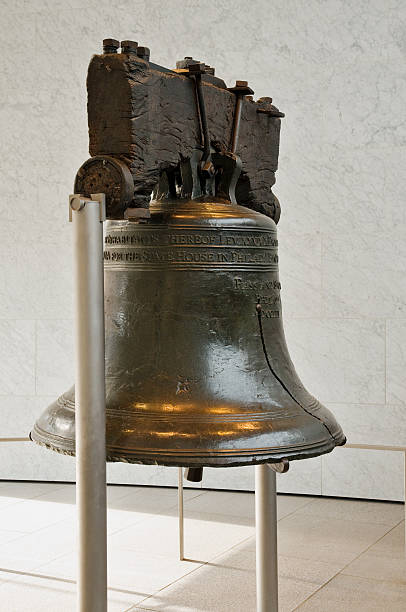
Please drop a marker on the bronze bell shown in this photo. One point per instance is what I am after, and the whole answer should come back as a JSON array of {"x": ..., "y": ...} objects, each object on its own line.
[{"x": 197, "y": 369}]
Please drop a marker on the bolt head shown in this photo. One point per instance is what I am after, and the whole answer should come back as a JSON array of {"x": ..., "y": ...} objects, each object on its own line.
[
  {"x": 111, "y": 42},
  {"x": 129, "y": 46},
  {"x": 186, "y": 62},
  {"x": 77, "y": 204},
  {"x": 241, "y": 88},
  {"x": 143, "y": 53},
  {"x": 197, "y": 68}
]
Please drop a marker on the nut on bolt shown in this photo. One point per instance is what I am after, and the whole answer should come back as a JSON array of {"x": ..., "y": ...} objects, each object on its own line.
[
  {"x": 185, "y": 63},
  {"x": 76, "y": 203},
  {"x": 143, "y": 53},
  {"x": 241, "y": 88},
  {"x": 267, "y": 108},
  {"x": 129, "y": 46},
  {"x": 110, "y": 45}
]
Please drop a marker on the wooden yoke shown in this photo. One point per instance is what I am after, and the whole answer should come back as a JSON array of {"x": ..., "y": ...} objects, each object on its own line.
[{"x": 143, "y": 120}]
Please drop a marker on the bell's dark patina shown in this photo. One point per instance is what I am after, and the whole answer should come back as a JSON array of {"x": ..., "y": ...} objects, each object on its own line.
[{"x": 197, "y": 368}]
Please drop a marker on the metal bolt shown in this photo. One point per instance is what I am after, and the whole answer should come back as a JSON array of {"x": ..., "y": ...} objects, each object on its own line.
[
  {"x": 129, "y": 46},
  {"x": 186, "y": 62},
  {"x": 110, "y": 45},
  {"x": 143, "y": 53},
  {"x": 240, "y": 90},
  {"x": 77, "y": 204}
]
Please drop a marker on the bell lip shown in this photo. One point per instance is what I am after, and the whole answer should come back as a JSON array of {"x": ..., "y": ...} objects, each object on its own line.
[{"x": 214, "y": 459}]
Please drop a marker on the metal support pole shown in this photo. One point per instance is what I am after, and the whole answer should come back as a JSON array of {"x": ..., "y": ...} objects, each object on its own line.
[
  {"x": 181, "y": 517},
  {"x": 405, "y": 501},
  {"x": 266, "y": 539},
  {"x": 87, "y": 216}
]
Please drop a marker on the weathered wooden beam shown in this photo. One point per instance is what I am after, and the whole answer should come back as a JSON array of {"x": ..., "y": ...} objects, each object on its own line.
[{"x": 146, "y": 116}]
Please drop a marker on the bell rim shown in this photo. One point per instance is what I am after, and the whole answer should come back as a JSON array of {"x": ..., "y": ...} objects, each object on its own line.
[{"x": 215, "y": 458}]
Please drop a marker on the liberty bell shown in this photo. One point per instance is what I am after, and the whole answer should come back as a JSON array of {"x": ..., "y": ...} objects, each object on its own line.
[{"x": 197, "y": 368}]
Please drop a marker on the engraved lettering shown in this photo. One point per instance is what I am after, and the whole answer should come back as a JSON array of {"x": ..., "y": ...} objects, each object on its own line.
[
  {"x": 208, "y": 238},
  {"x": 256, "y": 285},
  {"x": 271, "y": 314}
]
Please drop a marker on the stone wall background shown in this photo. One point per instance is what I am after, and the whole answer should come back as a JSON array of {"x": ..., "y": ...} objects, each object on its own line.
[{"x": 336, "y": 68}]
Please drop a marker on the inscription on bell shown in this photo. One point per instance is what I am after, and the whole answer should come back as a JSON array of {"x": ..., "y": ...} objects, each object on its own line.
[
  {"x": 265, "y": 292},
  {"x": 256, "y": 285},
  {"x": 210, "y": 246},
  {"x": 182, "y": 256},
  {"x": 208, "y": 238}
]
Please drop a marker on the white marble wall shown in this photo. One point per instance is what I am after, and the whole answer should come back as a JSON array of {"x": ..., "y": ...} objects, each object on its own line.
[{"x": 337, "y": 70}]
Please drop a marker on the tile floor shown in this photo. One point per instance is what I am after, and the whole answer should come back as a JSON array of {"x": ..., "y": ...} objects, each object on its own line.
[{"x": 336, "y": 555}]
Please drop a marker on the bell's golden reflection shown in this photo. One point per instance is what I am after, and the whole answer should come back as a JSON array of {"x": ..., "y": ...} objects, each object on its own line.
[{"x": 197, "y": 369}]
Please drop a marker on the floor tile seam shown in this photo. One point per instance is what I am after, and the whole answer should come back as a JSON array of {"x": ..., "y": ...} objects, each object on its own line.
[
  {"x": 31, "y": 574},
  {"x": 155, "y": 488},
  {"x": 344, "y": 520},
  {"x": 146, "y": 518},
  {"x": 150, "y": 514},
  {"x": 127, "y": 494},
  {"x": 167, "y": 586},
  {"x": 343, "y": 568},
  {"x": 132, "y": 609},
  {"x": 290, "y": 513},
  {"x": 199, "y": 567},
  {"x": 15, "y": 503},
  {"x": 363, "y": 578},
  {"x": 228, "y": 550},
  {"x": 216, "y": 514},
  {"x": 30, "y": 533},
  {"x": 58, "y": 488},
  {"x": 328, "y": 563},
  {"x": 65, "y": 554},
  {"x": 159, "y": 557},
  {"x": 366, "y": 522},
  {"x": 391, "y": 580},
  {"x": 200, "y": 563},
  {"x": 120, "y": 529},
  {"x": 186, "y": 501},
  {"x": 124, "y": 497},
  {"x": 169, "y": 507},
  {"x": 64, "y": 580},
  {"x": 23, "y": 534},
  {"x": 52, "y": 487},
  {"x": 322, "y": 586}
]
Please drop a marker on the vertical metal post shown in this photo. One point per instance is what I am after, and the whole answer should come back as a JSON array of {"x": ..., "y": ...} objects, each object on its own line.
[
  {"x": 266, "y": 539},
  {"x": 405, "y": 501},
  {"x": 87, "y": 216},
  {"x": 181, "y": 517}
]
